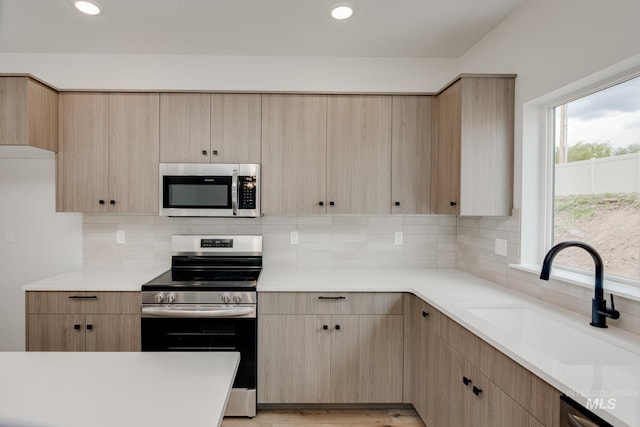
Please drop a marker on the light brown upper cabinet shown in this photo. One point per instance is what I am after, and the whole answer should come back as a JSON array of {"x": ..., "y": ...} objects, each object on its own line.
[
  {"x": 294, "y": 153},
  {"x": 472, "y": 159},
  {"x": 210, "y": 128},
  {"x": 108, "y": 152},
  {"x": 411, "y": 154},
  {"x": 185, "y": 127},
  {"x": 28, "y": 113},
  {"x": 359, "y": 154}
]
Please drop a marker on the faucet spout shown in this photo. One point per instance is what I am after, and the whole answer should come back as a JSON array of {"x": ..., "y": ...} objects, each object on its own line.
[{"x": 599, "y": 310}]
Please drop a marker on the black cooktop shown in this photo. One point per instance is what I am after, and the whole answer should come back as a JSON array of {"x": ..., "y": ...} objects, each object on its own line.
[{"x": 204, "y": 280}]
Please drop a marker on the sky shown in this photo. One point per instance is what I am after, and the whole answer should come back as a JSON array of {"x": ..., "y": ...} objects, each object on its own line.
[{"x": 612, "y": 115}]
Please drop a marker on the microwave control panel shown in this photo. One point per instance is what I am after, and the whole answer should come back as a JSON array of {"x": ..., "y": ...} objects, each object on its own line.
[{"x": 247, "y": 192}]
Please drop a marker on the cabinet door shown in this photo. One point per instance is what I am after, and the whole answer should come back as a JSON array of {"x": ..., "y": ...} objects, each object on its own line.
[
  {"x": 14, "y": 111},
  {"x": 134, "y": 152},
  {"x": 293, "y": 359},
  {"x": 294, "y": 153},
  {"x": 359, "y": 154},
  {"x": 81, "y": 162},
  {"x": 112, "y": 332},
  {"x": 424, "y": 363},
  {"x": 366, "y": 358},
  {"x": 445, "y": 184},
  {"x": 486, "y": 156},
  {"x": 29, "y": 112},
  {"x": 490, "y": 407},
  {"x": 449, "y": 394},
  {"x": 235, "y": 128},
  {"x": 411, "y": 154},
  {"x": 416, "y": 374},
  {"x": 185, "y": 127},
  {"x": 55, "y": 332},
  {"x": 43, "y": 116}
]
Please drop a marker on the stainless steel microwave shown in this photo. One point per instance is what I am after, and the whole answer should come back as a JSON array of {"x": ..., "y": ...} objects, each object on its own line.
[{"x": 203, "y": 189}]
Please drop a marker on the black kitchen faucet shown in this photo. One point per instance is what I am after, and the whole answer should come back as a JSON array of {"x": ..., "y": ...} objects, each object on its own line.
[{"x": 599, "y": 310}]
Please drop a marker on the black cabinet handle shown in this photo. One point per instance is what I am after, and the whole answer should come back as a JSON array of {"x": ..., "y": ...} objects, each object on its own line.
[
  {"x": 325, "y": 327},
  {"x": 477, "y": 391},
  {"x": 397, "y": 203},
  {"x": 467, "y": 381},
  {"x": 83, "y": 297},
  {"x": 215, "y": 152},
  {"x": 204, "y": 152},
  {"x": 452, "y": 203},
  {"x": 112, "y": 202},
  {"x": 332, "y": 204},
  {"x": 337, "y": 327},
  {"x": 320, "y": 203},
  {"x": 333, "y": 298},
  {"x": 89, "y": 327},
  {"x": 425, "y": 314},
  {"x": 101, "y": 202},
  {"x": 76, "y": 327}
]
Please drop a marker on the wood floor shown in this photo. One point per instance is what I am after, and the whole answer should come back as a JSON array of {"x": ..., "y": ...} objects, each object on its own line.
[{"x": 329, "y": 418}]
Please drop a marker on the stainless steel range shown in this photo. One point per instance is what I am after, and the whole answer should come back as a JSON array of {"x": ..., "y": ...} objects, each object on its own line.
[{"x": 208, "y": 302}]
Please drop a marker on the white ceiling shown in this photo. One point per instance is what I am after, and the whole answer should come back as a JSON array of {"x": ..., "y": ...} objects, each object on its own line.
[{"x": 379, "y": 28}]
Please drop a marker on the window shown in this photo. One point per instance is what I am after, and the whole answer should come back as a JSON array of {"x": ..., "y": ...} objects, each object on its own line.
[{"x": 597, "y": 179}]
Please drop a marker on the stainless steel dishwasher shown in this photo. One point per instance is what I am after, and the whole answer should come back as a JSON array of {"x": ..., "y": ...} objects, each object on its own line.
[{"x": 572, "y": 414}]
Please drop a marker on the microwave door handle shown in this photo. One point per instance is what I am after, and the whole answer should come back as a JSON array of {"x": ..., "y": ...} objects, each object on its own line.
[{"x": 234, "y": 192}]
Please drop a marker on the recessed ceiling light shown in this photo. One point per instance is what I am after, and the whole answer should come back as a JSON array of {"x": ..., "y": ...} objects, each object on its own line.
[
  {"x": 342, "y": 11},
  {"x": 88, "y": 7}
]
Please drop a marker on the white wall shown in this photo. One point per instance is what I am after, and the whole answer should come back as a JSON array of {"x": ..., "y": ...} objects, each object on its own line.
[
  {"x": 46, "y": 242},
  {"x": 234, "y": 73}
]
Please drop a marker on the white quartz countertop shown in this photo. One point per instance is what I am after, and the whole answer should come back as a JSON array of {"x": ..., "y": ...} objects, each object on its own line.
[
  {"x": 96, "y": 280},
  {"x": 75, "y": 389},
  {"x": 559, "y": 346}
]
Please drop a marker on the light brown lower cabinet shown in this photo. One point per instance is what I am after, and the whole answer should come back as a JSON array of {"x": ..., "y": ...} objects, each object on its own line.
[
  {"x": 456, "y": 379},
  {"x": 348, "y": 348},
  {"x": 330, "y": 358},
  {"x": 83, "y": 321},
  {"x": 293, "y": 359}
]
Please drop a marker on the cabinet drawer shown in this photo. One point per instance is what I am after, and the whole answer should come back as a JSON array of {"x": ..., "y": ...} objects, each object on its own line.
[
  {"x": 83, "y": 302},
  {"x": 330, "y": 303}
]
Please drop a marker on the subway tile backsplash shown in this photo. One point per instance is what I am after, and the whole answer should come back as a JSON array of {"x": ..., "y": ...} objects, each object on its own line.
[{"x": 324, "y": 241}]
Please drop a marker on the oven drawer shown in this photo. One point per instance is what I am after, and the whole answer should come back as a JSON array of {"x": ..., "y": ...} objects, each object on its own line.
[{"x": 330, "y": 303}]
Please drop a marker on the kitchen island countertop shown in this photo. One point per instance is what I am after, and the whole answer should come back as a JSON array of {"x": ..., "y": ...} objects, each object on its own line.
[{"x": 76, "y": 389}]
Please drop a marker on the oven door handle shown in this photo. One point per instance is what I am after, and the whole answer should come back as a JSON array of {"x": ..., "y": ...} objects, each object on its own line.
[
  {"x": 199, "y": 313},
  {"x": 234, "y": 192}
]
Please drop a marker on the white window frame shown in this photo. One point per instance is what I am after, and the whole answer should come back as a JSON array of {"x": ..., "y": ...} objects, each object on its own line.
[{"x": 537, "y": 182}]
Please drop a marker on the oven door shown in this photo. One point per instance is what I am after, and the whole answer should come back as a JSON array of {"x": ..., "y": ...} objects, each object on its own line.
[{"x": 206, "y": 334}]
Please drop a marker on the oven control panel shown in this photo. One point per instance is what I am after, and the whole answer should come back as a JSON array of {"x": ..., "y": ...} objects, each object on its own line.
[
  {"x": 216, "y": 243},
  {"x": 187, "y": 297}
]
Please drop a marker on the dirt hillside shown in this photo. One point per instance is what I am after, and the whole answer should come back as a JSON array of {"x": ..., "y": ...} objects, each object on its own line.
[{"x": 609, "y": 222}]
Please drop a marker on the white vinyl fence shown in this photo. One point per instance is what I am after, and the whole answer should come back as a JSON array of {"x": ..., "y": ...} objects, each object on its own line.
[{"x": 617, "y": 174}]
